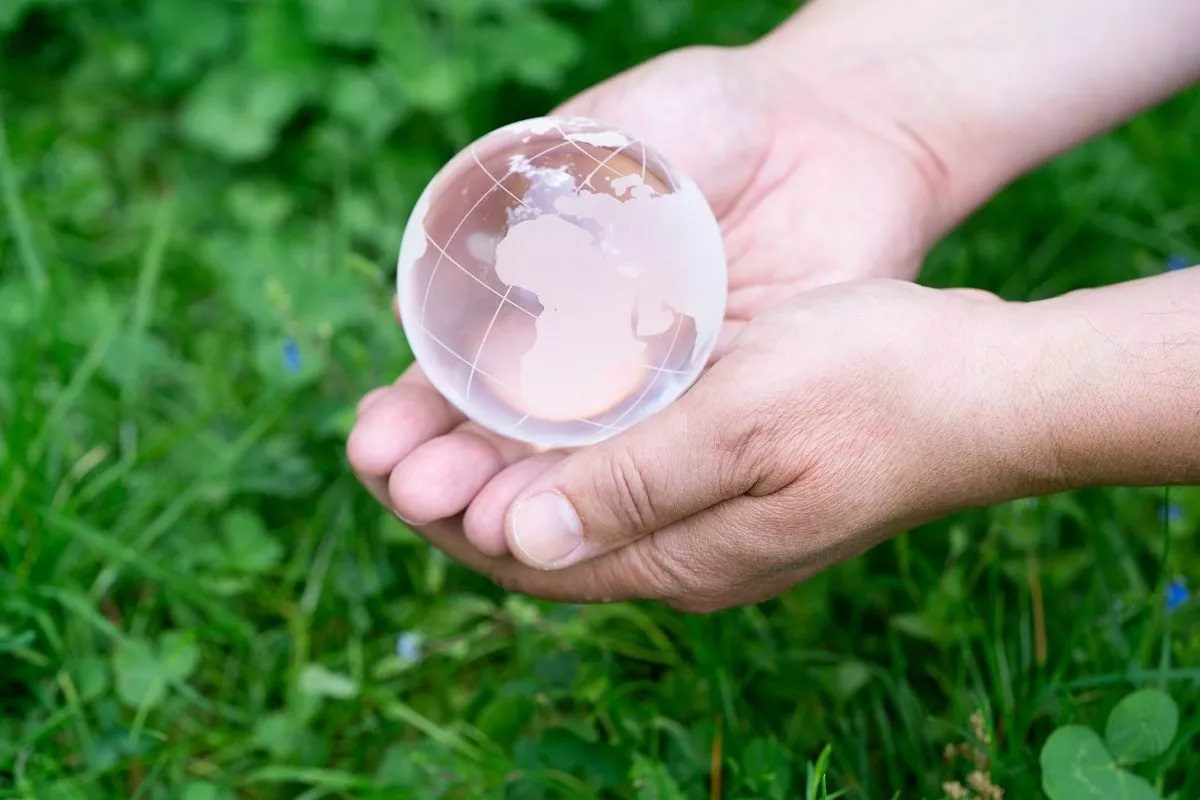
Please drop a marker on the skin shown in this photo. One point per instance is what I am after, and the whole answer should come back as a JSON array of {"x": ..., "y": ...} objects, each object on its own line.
[{"x": 845, "y": 404}]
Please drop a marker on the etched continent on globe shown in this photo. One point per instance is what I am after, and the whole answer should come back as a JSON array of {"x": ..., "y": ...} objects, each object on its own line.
[{"x": 560, "y": 281}]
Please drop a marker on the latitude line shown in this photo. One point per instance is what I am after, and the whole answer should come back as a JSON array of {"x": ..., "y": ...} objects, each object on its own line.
[
  {"x": 593, "y": 423},
  {"x": 497, "y": 184},
  {"x": 588, "y": 180},
  {"x": 473, "y": 277},
  {"x": 504, "y": 385},
  {"x": 443, "y": 253},
  {"x": 458, "y": 227},
  {"x": 575, "y": 144},
  {"x": 454, "y": 353}
]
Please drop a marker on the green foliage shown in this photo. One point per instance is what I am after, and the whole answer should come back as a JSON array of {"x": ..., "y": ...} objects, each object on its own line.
[
  {"x": 202, "y": 200},
  {"x": 143, "y": 671},
  {"x": 815, "y": 785},
  {"x": 652, "y": 780},
  {"x": 1077, "y": 764},
  {"x": 1141, "y": 726}
]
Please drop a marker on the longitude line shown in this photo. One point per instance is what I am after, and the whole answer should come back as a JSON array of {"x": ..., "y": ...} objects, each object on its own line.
[
  {"x": 501, "y": 383},
  {"x": 650, "y": 383},
  {"x": 518, "y": 423},
  {"x": 461, "y": 222},
  {"x": 497, "y": 183},
  {"x": 475, "y": 277},
  {"x": 452, "y": 352},
  {"x": 443, "y": 253},
  {"x": 575, "y": 144},
  {"x": 588, "y": 180},
  {"x": 483, "y": 341}
]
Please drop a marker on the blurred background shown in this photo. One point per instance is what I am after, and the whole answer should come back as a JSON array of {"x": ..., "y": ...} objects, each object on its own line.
[{"x": 201, "y": 207}]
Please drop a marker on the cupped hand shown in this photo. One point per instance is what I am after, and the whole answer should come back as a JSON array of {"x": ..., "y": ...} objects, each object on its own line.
[
  {"x": 806, "y": 195},
  {"x": 835, "y": 419}
]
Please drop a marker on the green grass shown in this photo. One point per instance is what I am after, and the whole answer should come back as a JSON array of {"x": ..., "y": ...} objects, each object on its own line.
[{"x": 197, "y": 600}]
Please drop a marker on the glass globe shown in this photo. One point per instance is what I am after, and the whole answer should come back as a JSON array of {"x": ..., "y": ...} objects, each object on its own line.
[{"x": 560, "y": 281}]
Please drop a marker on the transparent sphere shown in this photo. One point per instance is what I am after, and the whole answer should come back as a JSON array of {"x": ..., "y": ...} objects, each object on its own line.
[{"x": 560, "y": 281}]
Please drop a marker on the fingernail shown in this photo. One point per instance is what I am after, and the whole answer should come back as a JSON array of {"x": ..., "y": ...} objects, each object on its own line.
[{"x": 546, "y": 529}]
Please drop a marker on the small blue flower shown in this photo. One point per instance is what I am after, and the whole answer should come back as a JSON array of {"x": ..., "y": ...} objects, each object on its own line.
[
  {"x": 1177, "y": 595},
  {"x": 1175, "y": 262},
  {"x": 1172, "y": 512},
  {"x": 291, "y": 355},
  {"x": 410, "y": 646}
]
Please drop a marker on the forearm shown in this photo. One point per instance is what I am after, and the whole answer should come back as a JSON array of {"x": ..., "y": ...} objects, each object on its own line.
[
  {"x": 989, "y": 89},
  {"x": 1110, "y": 383}
]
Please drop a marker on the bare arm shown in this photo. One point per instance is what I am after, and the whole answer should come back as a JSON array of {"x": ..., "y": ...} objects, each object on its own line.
[
  {"x": 1113, "y": 379},
  {"x": 988, "y": 90}
]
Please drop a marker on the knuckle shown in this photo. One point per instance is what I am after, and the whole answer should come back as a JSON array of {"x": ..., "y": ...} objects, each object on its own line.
[
  {"x": 735, "y": 433},
  {"x": 642, "y": 570},
  {"x": 671, "y": 578},
  {"x": 625, "y": 487},
  {"x": 742, "y": 435},
  {"x": 739, "y": 440}
]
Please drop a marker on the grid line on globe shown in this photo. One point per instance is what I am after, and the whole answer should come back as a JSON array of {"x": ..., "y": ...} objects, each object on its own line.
[
  {"x": 442, "y": 253},
  {"x": 530, "y": 206},
  {"x": 497, "y": 183}
]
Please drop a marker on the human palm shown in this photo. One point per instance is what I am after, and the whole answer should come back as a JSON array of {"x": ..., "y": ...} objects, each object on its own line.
[{"x": 805, "y": 193}]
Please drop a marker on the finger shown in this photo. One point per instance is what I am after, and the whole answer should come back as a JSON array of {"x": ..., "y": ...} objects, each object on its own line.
[
  {"x": 377, "y": 486},
  {"x": 394, "y": 422},
  {"x": 747, "y": 302},
  {"x": 684, "y": 459},
  {"x": 370, "y": 398},
  {"x": 484, "y": 520},
  {"x": 610, "y": 578},
  {"x": 694, "y": 565},
  {"x": 739, "y": 551},
  {"x": 729, "y": 331},
  {"x": 976, "y": 294},
  {"x": 439, "y": 478}
]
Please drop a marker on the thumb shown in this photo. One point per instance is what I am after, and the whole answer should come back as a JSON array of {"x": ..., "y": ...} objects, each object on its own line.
[{"x": 680, "y": 461}]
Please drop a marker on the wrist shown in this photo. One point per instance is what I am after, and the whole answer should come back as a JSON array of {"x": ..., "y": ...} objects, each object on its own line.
[
  {"x": 979, "y": 93},
  {"x": 987, "y": 429},
  {"x": 1115, "y": 375},
  {"x": 991, "y": 358},
  {"x": 880, "y": 90},
  {"x": 848, "y": 167},
  {"x": 1027, "y": 355},
  {"x": 1100, "y": 387},
  {"x": 954, "y": 410}
]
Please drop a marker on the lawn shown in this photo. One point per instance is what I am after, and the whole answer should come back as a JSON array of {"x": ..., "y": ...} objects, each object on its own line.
[{"x": 201, "y": 205}]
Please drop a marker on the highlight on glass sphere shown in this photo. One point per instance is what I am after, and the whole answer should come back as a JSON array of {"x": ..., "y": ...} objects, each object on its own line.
[{"x": 560, "y": 281}]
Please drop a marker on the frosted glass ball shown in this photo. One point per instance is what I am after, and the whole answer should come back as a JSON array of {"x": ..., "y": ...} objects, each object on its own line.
[{"x": 560, "y": 281}]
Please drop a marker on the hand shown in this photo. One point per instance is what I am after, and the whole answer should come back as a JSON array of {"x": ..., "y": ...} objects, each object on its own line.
[
  {"x": 807, "y": 192},
  {"x": 838, "y": 148},
  {"x": 806, "y": 195},
  {"x": 826, "y": 427}
]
